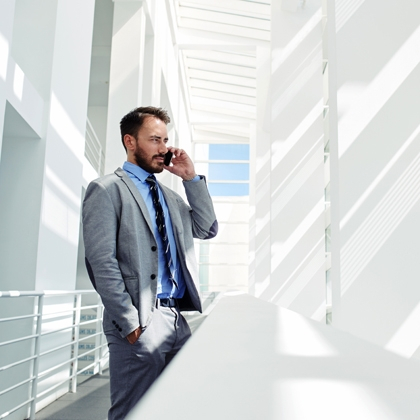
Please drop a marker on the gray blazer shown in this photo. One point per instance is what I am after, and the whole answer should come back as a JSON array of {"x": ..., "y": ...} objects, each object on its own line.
[{"x": 121, "y": 250}]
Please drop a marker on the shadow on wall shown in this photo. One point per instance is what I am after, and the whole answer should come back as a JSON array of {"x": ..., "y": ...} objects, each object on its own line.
[{"x": 379, "y": 147}]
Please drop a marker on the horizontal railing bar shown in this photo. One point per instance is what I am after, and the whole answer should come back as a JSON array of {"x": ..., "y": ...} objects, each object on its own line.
[
  {"x": 49, "y": 293},
  {"x": 15, "y": 293},
  {"x": 90, "y": 336},
  {"x": 72, "y": 359},
  {"x": 67, "y": 344},
  {"x": 89, "y": 307},
  {"x": 51, "y": 369},
  {"x": 28, "y": 359},
  {"x": 69, "y": 311},
  {"x": 16, "y": 318},
  {"x": 46, "y": 293},
  {"x": 44, "y": 353},
  {"x": 17, "y": 340},
  {"x": 86, "y": 317},
  {"x": 57, "y": 330},
  {"x": 7, "y": 413},
  {"x": 90, "y": 351},
  {"x": 85, "y": 368},
  {"x": 54, "y": 386},
  {"x": 90, "y": 321},
  {"x": 17, "y": 385},
  {"x": 53, "y": 315}
]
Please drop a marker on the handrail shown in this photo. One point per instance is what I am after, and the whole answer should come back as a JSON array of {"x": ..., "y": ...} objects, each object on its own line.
[{"x": 45, "y": 343}]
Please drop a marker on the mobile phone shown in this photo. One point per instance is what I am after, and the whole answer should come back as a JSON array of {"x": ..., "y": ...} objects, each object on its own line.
[{"x": 168, "y": 157}]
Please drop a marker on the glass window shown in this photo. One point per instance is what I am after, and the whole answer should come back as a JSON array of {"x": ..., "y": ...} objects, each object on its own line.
[
  {"x": 235, "y": 176},
  {"x": 228, "y": 190},
  {"x": 229, "y": 172},
  {"x": 228, "y": 152}
]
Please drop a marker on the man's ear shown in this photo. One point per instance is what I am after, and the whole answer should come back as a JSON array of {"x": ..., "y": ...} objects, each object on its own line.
[{"x": 129, "y": 141}]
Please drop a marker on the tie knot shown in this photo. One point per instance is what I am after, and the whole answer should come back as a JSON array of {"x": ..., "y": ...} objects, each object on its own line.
[{"x": 151, "y": 179}]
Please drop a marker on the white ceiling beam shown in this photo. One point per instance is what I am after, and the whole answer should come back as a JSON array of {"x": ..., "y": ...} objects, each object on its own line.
[
  {"x": 223, "y": 68},
  {"x": 223, "y": 87},
  {"x": 222, "y": 78},
  {"x": 220, "y": 16},
  {"x": 218, "y": 47},
  {"x": 202, "y": 36},
  {"x": 252, "y": 8},
  {"x": 226, "y": 29},
  {"x": 248, "y": 115},
  {"x": 222, "y": 107},
  {"x": 221, "y": 96},
  {"x": 246, "y": 60}
]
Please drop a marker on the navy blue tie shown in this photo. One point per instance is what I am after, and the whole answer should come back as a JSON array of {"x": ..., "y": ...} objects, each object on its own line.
[{"x": 160, "y": 222}]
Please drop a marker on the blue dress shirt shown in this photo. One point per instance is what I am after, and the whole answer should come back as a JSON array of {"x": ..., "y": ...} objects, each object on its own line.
[{"x": 165, "y": 287}]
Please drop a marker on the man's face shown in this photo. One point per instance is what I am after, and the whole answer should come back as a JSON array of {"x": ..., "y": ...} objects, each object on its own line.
[{"x": 151, "y": 145}]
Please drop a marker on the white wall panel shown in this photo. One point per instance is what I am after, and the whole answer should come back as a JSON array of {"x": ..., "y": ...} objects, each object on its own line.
[{"x": 378, "y": 70}]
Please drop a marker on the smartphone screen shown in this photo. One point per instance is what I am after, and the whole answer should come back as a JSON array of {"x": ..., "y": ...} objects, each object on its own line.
[{"x": 168, "y": 158}]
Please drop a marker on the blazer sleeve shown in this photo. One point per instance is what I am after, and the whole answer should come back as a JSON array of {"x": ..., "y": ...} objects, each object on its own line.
[
  {"x": 100, "y": 229},
  {"x": 204, "y": 220}
]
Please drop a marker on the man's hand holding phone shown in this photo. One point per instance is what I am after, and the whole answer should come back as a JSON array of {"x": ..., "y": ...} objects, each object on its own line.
[
  {"x": 168, "y": 157},
  {"x": 182, "y": 165}
]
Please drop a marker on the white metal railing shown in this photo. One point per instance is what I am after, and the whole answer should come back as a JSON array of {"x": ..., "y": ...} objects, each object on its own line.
[
  {"x": 93, "y": 149},
  {"x": 56, "y": 322}
]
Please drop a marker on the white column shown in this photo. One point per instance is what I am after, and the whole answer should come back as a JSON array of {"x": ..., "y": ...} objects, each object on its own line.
[
  {"x": 64, "y": 148},
  {"x": 125, "y": 85},
  {"x": 260, "y": 169},
  {"x": 297, "y": 279}
]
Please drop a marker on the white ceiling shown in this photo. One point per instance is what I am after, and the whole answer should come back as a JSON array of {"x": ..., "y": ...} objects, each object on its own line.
[{"x": 217, "y": 42}]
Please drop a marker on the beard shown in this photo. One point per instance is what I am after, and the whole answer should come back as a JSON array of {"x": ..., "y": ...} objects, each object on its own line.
[{"x": 149, "y": 164}]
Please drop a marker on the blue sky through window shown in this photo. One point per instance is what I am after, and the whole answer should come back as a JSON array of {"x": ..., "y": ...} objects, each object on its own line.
[
  {"x": 228, "y": 171},
  {"x": 228, "y": 152},
  {"x": 228, "y": 190}
]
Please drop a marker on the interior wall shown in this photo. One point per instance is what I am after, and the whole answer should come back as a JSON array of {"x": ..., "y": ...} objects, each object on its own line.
[
  {"x": 33, "y": 41},
  {"x": 378, "y": 71}
]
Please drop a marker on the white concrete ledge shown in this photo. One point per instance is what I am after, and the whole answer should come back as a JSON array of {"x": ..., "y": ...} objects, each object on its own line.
[{"x": 254, "y": 360}]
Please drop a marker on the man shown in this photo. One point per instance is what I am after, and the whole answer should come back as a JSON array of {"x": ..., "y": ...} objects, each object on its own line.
[{"x": 140, "y": 256}]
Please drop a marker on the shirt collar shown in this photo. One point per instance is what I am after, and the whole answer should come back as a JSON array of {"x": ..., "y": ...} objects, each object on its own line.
[{"x": 135, "y": 170}]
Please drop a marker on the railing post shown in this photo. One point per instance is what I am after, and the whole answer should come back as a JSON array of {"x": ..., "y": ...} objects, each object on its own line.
[
  {"x": 76, "y": 329},
  {"x": 36, "y": 354}
]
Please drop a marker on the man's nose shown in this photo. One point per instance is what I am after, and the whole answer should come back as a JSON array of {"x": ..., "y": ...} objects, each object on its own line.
[{"x": 162, "y": 148}]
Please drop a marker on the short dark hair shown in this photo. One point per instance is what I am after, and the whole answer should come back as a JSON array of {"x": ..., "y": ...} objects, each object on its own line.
[{"x": 132, "y": 122}]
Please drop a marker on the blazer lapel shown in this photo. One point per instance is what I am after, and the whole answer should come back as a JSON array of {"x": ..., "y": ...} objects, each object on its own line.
[{"x": 136, "y": 194}]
